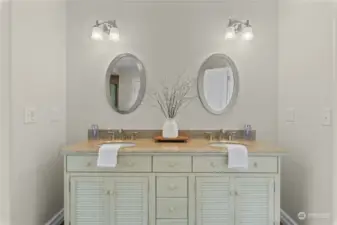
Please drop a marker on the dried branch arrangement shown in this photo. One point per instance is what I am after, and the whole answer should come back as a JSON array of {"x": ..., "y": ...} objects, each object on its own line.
[{"x": 171, "y": 99}]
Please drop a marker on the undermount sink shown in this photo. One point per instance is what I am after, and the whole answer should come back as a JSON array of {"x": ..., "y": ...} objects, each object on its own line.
[
  {"x": 121, "y": 144},
  {"x": 224, "y": 144}
]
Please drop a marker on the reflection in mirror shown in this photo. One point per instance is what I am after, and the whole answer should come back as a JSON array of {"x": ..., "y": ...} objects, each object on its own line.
[
  {"x": 218, "y": 83},
  {"x": 125, "y": 83}
]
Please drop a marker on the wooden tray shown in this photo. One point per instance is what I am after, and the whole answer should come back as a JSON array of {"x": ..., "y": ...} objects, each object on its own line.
[{"x": 177, "y": 139}]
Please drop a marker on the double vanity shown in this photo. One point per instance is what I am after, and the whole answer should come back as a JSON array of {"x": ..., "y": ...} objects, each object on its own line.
[{"x": 172, "y": 184}]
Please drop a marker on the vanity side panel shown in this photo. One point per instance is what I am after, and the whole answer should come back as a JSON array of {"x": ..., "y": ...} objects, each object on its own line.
[
  {"x": 66, "y": 196},
  {"x": 277, "y": 194}
]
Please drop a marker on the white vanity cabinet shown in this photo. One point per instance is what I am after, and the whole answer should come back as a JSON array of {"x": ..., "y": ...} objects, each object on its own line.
[
  {"x": 171, "y": 189},
  {"x": 214, "y": 200},
  {"x": 115, "y": 201}
]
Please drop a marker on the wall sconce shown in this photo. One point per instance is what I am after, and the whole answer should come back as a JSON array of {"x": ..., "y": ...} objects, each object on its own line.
[
  {"x": 237, "y": 26},
  {"x": 105, "y": 27}
]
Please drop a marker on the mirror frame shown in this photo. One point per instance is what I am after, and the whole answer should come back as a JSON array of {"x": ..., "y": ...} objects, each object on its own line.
[
  {"x": 142, "y": 88},
  {"x": 201, "y": 75}
]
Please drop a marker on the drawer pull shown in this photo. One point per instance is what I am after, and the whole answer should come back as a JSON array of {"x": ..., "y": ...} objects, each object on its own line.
[
  {"x": 172, "y": 187},
  {"x": 172, "y": 209},
  {"x": 88, "y": 164},
  {"x": 213, "y": 164},
  {"x": 255, "y": 164},
  {"x": 108, "y": 192}
]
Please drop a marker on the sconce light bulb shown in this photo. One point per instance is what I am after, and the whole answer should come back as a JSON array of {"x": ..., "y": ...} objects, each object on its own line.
[
  {"x": 247, "y": 33},
  {"x": 230, "y": 33},
  {"x": 97, "y": 33},
  {"x": 114, "y": 34}
]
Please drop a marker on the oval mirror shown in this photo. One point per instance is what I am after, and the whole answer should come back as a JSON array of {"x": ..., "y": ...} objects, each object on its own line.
[
  {"x": 218, "y": 83},
  {"x": 125, "y": 83}
]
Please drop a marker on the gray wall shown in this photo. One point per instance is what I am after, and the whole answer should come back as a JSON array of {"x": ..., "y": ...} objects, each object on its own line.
[
  {"x": 37, "y": 62},
  {"x": 4, "y": 113},
  {"x": 306, "y": 84},
  {"x": 170, "y": 38}
]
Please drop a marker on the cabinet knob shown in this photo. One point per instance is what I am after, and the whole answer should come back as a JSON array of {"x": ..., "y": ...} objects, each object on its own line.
[
  {"x": 130, "y": 163},
  {"x": 108, "y": 192},
  {"x": 213, "y": 164},
  {"x": 172, "y": 209},
  {"x": 236, "y": 193},
  {"x": 88, "y": 164},
  {"x": 172, "y": 164},
  {"x": 255, "y": 164},
  {"x": 172, "y": 187}
]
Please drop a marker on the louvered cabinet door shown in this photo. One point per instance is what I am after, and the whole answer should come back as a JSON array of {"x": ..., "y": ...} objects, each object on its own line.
[
  {"x": 89, "y": 201},
  {"x": 254, "y": 201},
  {"x": 214, "y": 203},
  {"x": 129, "y": 205}
]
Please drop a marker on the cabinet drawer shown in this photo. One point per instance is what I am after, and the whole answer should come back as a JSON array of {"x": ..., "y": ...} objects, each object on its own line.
[
  {"x": 172, "y": 164},
  {"x": 124, "y": 164},
  {"x": 171, "y": 208},
  {"x": 220, "y": 164},
  {"x": 171, "y": 222},
  {"x": 171, "y": 186}
]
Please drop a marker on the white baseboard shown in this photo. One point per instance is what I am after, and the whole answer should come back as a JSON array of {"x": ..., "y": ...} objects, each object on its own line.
[
  {"x": 57, "y": 218},
  {"x": 286, "y": 219}
]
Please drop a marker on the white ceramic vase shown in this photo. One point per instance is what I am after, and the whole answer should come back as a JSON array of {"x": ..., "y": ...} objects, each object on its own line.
[{"x": 170, "y": 129}]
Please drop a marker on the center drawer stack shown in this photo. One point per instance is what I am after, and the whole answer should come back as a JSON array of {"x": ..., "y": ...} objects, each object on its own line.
[{"x": 172, "y": 191}]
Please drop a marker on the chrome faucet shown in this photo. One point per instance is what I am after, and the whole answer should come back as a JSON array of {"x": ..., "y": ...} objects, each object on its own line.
[{"x": 221, "y": 135}]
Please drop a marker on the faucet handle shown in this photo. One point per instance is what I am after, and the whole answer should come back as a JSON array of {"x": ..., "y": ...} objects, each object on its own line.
[
  {"x": 221, "y": 134},
  {"x": 209, "y": 135},
  {"x": 112, "y": 136},
  {"x": 231, "y": 135},
  {"x": 110, "y": 131},
  {"x": 134, "y": 135}
]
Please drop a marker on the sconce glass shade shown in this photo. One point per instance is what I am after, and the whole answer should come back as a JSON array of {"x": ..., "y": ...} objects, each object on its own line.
[
  {"x": 97, "y": 33},
  {"x": 114, "y": 34},
  {"x": 230, "y": 33},
  {"x": 247, "y": 33}
]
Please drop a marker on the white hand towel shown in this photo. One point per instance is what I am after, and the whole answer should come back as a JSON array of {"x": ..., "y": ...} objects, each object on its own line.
[
  {"x": 107, "y": 155},
  {"x": 237, "y": 156}
]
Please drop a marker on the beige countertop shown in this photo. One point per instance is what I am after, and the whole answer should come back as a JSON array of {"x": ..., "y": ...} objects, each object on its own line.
[{"x": 194, "y": 146}]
